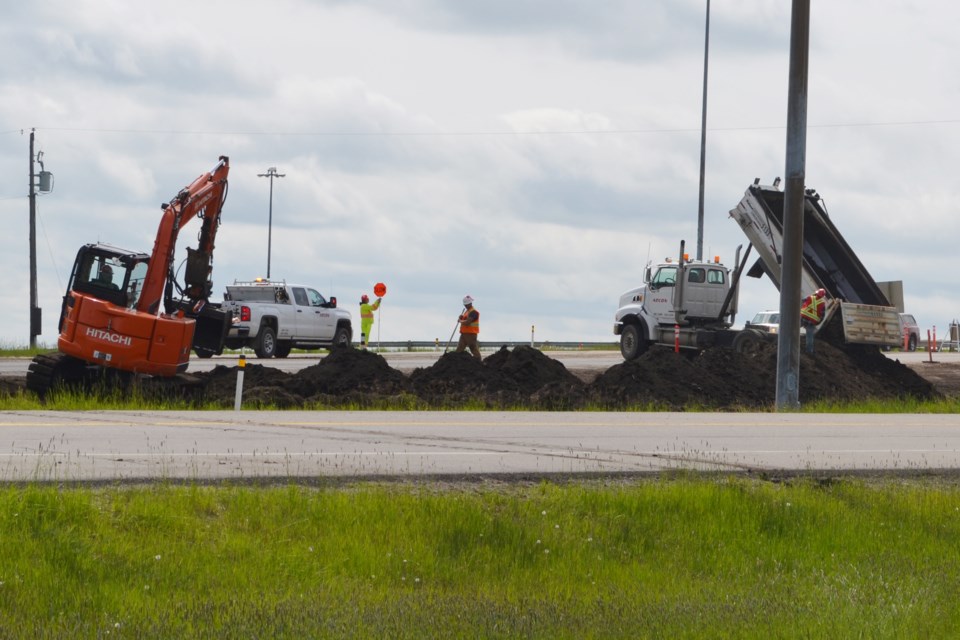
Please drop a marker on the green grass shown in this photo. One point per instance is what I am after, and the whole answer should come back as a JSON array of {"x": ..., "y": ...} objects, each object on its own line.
[
  {"x": 11, "y": 351},
  {"x": 115, "y": 400},
  {"x": 675, "y": 558}
]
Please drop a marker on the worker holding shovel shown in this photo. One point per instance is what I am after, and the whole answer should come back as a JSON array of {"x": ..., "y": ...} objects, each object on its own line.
[{"x": 469, "y": 328}]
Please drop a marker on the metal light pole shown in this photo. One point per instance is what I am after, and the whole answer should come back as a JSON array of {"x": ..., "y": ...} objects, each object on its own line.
[
  {"x": 271, "y": 173},
  {"x": 703, "y": 135}
]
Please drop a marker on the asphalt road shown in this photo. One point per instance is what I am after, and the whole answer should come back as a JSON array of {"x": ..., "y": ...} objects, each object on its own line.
[{"x": 256, "y": 446}]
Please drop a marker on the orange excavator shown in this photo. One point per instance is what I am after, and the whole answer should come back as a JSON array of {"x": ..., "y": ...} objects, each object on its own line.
[{"x": 111, "y": 320}]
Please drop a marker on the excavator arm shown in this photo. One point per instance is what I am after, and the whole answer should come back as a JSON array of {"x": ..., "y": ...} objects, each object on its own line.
[{"x": 203, "y": 198}]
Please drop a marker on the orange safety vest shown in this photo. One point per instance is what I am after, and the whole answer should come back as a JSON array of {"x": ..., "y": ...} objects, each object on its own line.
[
  {"x": 812, "y": 309},
  {"x": 470, "y": 327}
]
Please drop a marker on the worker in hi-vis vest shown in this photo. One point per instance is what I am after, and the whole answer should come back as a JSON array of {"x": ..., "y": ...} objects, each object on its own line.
[
  {"x": 811, "y": 314},
  {"x": 366, "y": 318},
  {"x": 469, "y": 328}
]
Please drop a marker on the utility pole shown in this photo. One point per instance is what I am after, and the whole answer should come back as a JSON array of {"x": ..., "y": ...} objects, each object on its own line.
[
  {"x": 271, "y": 173},
  {"x": 703, "y": 136},
  {"x": 34, "y": 309},
  {"x": 788, "y": 343}
]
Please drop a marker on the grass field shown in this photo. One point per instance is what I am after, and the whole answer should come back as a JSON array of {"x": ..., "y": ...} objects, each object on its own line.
[{"x": 680, "y": 557}]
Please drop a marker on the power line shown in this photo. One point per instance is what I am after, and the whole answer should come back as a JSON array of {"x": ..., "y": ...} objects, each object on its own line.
[{"x": 426, "y": 134}]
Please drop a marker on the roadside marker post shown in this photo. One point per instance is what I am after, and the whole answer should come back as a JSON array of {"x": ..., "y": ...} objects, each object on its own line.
[{"x": 241, "y": 365}]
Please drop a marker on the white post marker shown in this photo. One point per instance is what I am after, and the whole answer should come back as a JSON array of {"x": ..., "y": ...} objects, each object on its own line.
[
  {"x": 532, "y": 328},
  {"x": 239, "y": 393}
]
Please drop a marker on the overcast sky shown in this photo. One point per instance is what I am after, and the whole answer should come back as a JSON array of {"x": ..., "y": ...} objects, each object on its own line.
[{"x": 532, "y": 153}]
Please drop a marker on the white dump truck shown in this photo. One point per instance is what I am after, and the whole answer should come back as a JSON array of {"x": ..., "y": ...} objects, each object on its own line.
[{"x": 693, "y": 304}]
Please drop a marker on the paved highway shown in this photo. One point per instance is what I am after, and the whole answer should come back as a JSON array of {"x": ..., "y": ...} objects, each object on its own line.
[{"x": 200, "y": 446}]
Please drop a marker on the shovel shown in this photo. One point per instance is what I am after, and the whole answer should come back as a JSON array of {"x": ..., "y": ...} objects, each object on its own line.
[{"x": 453, "y": 332}]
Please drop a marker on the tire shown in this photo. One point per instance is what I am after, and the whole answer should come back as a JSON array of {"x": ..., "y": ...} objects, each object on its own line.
[
  {"x": 632, "y": 343},
  {"x": 266, "y": 344},
  {"x": 203, "y": 353},
  {"x": 747, "y": 341},
  {"x": 283, "y": 349},
  {"x": 912, "y": 343},
  {"x": 342, "y": 337}
]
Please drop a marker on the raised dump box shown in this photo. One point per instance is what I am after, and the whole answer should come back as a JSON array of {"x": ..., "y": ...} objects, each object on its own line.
[{"x": 828, "y": 263}]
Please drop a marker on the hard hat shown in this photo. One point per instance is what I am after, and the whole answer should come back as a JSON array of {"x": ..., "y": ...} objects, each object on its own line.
[
  {"x": 364, "y": 298},
  {"x": 821, "y": 292},
  {"x": 467, "y": 300}
]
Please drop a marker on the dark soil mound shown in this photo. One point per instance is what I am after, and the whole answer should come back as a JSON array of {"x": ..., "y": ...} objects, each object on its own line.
[
  {"x": 220, "y": 385},
  {"x": 458, "y": 378},
  {"x": 724, "y": 379},
  {"x": 530, "y": 369},
  {"x": 348, "y": 370}
]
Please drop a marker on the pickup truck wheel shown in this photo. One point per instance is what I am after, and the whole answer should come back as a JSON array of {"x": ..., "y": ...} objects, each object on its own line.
[
  {"x": 632, "y": 344},
  {"x": 283, "y": 349},
  {"x": 912, "y": 344},
  {"x": 342, "y": 337},
  {"x": 266, "y": 345}
]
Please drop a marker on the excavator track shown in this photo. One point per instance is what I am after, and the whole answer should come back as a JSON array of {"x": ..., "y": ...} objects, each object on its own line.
[{"x": 49, "y": 371}]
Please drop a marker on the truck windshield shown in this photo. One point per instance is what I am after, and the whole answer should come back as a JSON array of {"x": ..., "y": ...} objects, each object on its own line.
[{"x": 665, "y": 277}]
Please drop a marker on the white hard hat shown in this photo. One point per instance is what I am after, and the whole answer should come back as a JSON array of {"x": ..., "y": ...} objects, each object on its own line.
[{"x": 467, "y": 300}]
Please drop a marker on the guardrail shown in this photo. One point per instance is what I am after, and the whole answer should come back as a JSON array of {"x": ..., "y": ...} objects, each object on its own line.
[{"x": 546, "y": 345}]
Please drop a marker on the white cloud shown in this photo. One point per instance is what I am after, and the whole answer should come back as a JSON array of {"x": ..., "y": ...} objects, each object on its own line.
[{"x": 534, "y": 154}]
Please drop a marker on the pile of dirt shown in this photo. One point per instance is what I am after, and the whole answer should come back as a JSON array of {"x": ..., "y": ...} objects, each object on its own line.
[
  {"x": 718, "y": 378},
  {"x": 509, "y": 378},
  {"x": 724, "y": 379},
  {"x": 345, "y": 377}
]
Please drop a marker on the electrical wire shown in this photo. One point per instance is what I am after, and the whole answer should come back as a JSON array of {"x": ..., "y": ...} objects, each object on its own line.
[{"x": 426, "y": 134}]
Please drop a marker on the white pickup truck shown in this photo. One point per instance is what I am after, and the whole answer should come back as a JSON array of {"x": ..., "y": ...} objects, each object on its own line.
[{"x": 274, "y": 317}]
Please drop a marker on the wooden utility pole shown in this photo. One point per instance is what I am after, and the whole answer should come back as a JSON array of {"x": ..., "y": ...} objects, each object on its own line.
[{"x": 34, "y": 309}]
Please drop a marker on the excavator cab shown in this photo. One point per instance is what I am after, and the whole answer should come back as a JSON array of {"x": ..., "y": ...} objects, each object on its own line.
[{"x": 107, "y": 273}]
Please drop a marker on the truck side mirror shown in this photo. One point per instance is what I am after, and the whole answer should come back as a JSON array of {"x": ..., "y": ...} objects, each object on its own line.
[
  {"x": 333, "y": 302},
  {"x": 646, "y": 275}
]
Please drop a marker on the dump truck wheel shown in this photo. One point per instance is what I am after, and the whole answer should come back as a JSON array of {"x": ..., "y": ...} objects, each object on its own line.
[{"x": 632, "y": 343}]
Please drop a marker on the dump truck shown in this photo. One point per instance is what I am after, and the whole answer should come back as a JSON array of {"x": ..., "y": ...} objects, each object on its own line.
[{"x": 693, "y": 304}]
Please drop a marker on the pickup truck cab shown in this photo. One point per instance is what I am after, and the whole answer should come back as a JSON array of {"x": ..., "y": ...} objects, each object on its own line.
[{"x": 273, "y": 317}]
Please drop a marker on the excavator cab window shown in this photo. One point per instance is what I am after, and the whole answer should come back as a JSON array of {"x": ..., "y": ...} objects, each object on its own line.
[
  {"x": 134, "y": 286},
  {"x": 105, "y": 274}
]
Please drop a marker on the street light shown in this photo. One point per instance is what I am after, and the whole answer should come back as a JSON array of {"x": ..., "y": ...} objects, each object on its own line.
[{"x": 271, "y": 173}]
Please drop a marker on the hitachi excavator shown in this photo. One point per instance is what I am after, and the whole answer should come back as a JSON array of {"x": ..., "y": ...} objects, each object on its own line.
[{"x": 111, "y": 319}]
